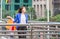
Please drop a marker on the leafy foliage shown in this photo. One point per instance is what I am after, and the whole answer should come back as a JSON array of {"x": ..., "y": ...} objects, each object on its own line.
[
  {"x": 5, "y": 13},
  {"x": 56, "y": 18},
  {"x": 31, "y": 12},
  {"x": 42, "y": 19}
]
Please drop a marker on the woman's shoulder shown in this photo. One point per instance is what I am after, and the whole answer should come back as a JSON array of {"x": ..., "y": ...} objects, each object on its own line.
[
  {"x": 18, "y": 13},
  {"x": 26, "y": 14}
]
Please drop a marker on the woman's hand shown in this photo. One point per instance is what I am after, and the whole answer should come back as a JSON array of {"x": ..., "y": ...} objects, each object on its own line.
[{"x": 9, "y": 17}]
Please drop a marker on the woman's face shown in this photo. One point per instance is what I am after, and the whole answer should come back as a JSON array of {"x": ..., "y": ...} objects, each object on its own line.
[{"x": 24, "y": 9}]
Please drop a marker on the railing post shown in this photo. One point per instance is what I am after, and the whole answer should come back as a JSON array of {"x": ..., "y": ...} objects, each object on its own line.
[
  {"x": 56, "y": 35},
  {"x": 48, "y": 33},
  {"x": 31, "y": 32}
]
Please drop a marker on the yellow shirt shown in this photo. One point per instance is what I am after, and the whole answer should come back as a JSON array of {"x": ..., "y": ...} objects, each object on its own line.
[{"x": 10, "y": 22}]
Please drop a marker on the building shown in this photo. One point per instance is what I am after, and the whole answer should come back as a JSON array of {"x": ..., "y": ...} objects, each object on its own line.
[
  {"x": 13, "y": 5},
  {"x": 55, "y": 7},
  {"x": 56, "y": 4},
  {"x": 40, "y": 7},
  {"x": 51, "y": 7}
]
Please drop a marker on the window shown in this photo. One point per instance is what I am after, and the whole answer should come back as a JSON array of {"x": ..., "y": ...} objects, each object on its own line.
[
  {"x": 40, "y": 0},
  {"x": 16, "y": 7},
  {"x": 41, "y": 9},
  {"x": 25, "y": 1},
  {"x": 34, "y": 6},
  {"x": 38, "y": 9},
  {"x": 34, "y": 0},
  {"x": 37, "y": 0},
  {"x": 45, "y": 7},
  {"x": 55, "y": 0},
  {"x": 17, "y": 1},
  {"x": 44, "y": 0},
  {"x": 26, "y": 6},
  {"x": 7, "y": 7}
]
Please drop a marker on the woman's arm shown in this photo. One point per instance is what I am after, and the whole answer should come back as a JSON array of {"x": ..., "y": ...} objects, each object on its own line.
[
  {"x": 14, "y": 19},
  {"x": 26, "y": 18},
  {"x": 10, "y": 18}
]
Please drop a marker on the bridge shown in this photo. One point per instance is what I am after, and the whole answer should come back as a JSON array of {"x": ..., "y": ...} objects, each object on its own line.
[{"x": 35, "y": 30}]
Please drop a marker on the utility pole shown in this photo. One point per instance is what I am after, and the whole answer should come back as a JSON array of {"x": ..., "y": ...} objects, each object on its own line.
[
  {"x": 1, "y": 9},
  {"x": 47, "y": 3}
]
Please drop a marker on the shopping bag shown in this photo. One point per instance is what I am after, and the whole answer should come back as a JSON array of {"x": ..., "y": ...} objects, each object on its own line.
[
  {"x": 13, "y": 28},
  {"x": 10, "y": 27}
]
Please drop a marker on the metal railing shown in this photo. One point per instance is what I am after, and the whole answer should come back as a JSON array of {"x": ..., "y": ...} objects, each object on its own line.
[{"x": 40, "y": 28}]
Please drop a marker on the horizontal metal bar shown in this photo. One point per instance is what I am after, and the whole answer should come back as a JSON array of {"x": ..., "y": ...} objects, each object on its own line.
[
  {"x": 15, "y": 31},
  {"x": 28, "y": 34},
  {"x": 45, "y": 24},
  {"x": 46, "y": 27},
  {"x": 30, "y": 31},
  {"x": 15, "y": 24},
  {"x": 32, "y": 24},
  {"x": 14, "y": 34},
  {"x": 46, "y": 31}
]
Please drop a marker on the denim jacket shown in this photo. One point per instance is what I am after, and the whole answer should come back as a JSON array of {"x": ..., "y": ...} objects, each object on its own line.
[{"x": 17, "y": 18}]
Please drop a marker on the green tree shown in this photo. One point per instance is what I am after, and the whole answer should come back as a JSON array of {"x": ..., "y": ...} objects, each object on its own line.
[
  {"x": 46, "y": 13},
  {"x": 31, "y": 12},
  {"x": 5, "y": 13},
  {"x": 55, "y": 18},
  {"x": 44, "y": 18}
]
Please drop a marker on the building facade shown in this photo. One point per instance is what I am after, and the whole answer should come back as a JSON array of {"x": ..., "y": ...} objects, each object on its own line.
[
  {"x": 54, "y": 7},
  {"x": 56, "y": 4},
  {"x": 40, "y": 7},
  {"x": 51, "y": 7},
  {"x": 13, "y": 5}
]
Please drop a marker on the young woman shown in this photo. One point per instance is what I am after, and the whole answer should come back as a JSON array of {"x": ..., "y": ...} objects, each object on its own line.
[{"x": 21, "y": 17}]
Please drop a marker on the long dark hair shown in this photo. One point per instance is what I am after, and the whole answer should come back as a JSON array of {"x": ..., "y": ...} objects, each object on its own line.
[{"x": 20, "y": 9}]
